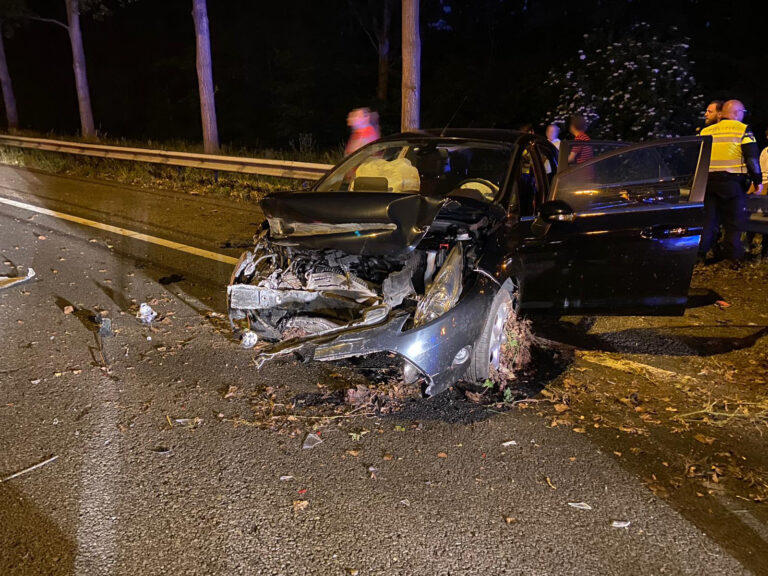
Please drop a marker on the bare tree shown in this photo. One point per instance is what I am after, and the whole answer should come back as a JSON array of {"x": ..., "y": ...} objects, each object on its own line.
[
  {"x": 411, "y": 83},
  {"x": 375, "y": 18},
  {"x": 205, "y": 77},
  {"x": 72, "y": 26},
  {"x": 9, "y": 98}
]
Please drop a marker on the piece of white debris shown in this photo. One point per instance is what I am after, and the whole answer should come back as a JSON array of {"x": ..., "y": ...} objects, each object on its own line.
[
  {"x": 146, "y": 314},
  {"x": 8, "y": 281},
  {"x": 509, "y": 443},
  {"x": 311, "y": 441},
  {"x": 580, "y": 505},
  {"x": 249, "y": 340},
  {"x": 621, "y": 523}
]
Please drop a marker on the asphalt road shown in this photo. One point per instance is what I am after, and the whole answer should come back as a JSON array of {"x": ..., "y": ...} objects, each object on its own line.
[{"x": 133, "y": 491}]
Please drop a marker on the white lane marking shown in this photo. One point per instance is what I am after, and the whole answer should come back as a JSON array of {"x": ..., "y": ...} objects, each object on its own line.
[
  {"x": 123, "y": 232},
  {"x": 745, "y": 516}
]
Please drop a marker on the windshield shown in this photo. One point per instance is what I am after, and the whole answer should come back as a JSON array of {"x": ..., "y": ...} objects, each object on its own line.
[{"x": 428, "y": 167}]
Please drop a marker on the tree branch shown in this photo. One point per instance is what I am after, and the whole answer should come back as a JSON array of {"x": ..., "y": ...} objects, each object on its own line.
[
  {"x": 362, "y": 24},
  {"x": 50, "y": 21}
]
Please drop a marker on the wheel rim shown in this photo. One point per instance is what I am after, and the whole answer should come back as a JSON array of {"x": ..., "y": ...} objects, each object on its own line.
[{"x": 497, "y": 334}]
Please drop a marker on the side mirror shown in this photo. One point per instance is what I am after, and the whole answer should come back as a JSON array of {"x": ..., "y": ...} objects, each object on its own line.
[{"x": 556, "y": 211}]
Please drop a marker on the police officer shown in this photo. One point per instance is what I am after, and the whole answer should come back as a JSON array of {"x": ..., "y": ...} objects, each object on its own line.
[{"x": 734, "y": 165}]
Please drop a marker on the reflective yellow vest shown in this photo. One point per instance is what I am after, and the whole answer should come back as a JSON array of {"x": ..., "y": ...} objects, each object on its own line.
[{"x": 727, "y": 138}]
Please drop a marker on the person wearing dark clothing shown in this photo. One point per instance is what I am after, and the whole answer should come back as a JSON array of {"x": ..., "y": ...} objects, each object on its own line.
[{"x": 733, "y": 168}]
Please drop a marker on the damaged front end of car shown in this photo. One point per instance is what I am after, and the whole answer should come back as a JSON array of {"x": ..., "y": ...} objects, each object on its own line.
[{"x": 394, "y": 273}]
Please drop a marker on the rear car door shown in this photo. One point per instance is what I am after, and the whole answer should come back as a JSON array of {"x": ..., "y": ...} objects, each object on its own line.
[{"x": 619, "y": 233}]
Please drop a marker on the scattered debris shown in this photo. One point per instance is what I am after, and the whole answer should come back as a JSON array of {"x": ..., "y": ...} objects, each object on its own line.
[
  {"x": 69, "y": 309},
  {"x": 621, "y": 523},
  {"x": 311, "y": 441},
  {"x": 708, "y": 440},
  {"x": 286, "y": 478},
  {"x": 105, "y": 326},
  {"x": 249, "y": 339},
  {"x": 549, "y": 483},
  {"x": 580, "y": 505},
  {"x": 510, "y": 520},
  {"x": 299, "y": 505},
  {"x": 146, "y": 314},
  {"x": 162, "y": 450},
  {"x": 189, "y": 422},
  {"x": 509, "y": 443},
  {"x": 405, "y": 502},
  {"x": 8, "y": 281},
  {"x": 29, "y": 469},
  {"x": 722, "y": 304}
]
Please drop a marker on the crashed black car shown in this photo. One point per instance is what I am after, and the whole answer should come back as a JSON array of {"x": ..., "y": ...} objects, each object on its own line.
[{"x": 421, "y": 244}]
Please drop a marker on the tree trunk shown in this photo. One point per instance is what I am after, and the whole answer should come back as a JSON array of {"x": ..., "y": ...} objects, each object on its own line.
[
  {"x": 87, "y": 127},
  {"x": 205, "y": 77},
  {"x": 411, "y": 88},
  {"x": 383, "y": 50},
  {"x": 5, "y": 81}
]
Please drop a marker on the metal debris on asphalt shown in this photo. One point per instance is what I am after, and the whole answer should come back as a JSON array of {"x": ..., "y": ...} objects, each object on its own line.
[
  {"x": 249, "y": 340},
  {"x": 28, "y": 469},
  {"x": 105, "y": 326},
  {"x": 580, "y": 505},
  {"x": 311, "y": 441},
  {"x": 8, "y": 281},
  {"x": 146, "y": 314}
]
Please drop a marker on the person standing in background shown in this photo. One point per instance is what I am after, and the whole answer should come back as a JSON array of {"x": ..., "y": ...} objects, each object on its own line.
[
  {"x": 578, "y": 127},
  {"x": 362, "y": 129},
  {"x": 553, "y": 135},
  {"x": 734, "y": 168},
  {"x": 713, "y": 112}
]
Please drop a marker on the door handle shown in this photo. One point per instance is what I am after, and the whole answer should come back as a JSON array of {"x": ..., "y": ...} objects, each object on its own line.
[{"x": 656, "y": 232}]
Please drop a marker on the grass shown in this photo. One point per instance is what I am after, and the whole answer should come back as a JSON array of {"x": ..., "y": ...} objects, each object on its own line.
[{"x": 244, "y": 187}]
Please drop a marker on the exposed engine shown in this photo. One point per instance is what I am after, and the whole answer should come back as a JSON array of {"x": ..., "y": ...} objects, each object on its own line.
[{"x": 281, "y": 291}]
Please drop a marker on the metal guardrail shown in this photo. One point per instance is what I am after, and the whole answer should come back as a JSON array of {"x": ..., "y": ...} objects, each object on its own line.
[{"x": 262, "y": 167}]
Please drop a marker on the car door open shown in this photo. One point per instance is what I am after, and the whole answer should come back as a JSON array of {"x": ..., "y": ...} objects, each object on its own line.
[{"x": 620, "y": 232}]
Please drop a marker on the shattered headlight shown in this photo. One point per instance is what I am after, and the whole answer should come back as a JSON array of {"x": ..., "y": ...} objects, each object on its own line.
[{"x": 445, "y": 290}]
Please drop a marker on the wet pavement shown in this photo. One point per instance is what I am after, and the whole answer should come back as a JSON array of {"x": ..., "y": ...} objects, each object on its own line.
[{"x": 175, "y": 454}]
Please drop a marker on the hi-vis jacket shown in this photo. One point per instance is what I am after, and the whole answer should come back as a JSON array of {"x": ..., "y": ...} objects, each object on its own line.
[{"x": 734, "y": 149}]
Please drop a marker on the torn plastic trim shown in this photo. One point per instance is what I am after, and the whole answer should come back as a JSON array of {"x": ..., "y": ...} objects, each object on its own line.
[{"x": 370, "y": 317}]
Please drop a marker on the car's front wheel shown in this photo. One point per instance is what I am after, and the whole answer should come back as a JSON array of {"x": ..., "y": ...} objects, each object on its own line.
[{"x": 486, "y": 353}]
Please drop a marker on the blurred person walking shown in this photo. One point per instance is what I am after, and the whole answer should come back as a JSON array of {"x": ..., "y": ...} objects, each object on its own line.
[
  {"x": 734, "y": 169},
  {"x": 363, "y": 130}
]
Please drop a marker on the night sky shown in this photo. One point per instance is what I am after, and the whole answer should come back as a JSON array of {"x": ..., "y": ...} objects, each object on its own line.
[{"x": 297, "y": 66}]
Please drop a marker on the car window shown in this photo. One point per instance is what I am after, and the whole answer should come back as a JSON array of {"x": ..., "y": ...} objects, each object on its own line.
[
  {"x": 585, "y": 150},
  {"x": 429, "y": 166},
  {"x": 656, "y": 174}
]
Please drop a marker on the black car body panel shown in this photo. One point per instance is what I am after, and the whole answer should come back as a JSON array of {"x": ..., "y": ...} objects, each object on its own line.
[
  {"x": 407, "y": 246},
  {"x": 376, "y": 223}
]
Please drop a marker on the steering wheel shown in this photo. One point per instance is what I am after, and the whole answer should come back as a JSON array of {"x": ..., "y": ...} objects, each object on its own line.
[{"x": 486, "y": 188}]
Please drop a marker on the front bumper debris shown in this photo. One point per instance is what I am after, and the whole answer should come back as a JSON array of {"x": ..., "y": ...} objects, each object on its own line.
[{"x": 431, "y": 348}]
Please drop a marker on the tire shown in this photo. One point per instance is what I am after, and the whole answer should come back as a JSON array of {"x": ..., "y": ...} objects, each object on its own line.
[{"x": 486, "y": 352}]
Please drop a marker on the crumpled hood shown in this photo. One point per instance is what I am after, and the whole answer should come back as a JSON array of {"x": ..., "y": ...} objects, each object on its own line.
[{"x": 365, "y": 223}]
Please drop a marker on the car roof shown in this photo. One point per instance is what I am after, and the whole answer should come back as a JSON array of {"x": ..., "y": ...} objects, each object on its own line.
[{"x": 492, "y": 134}]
